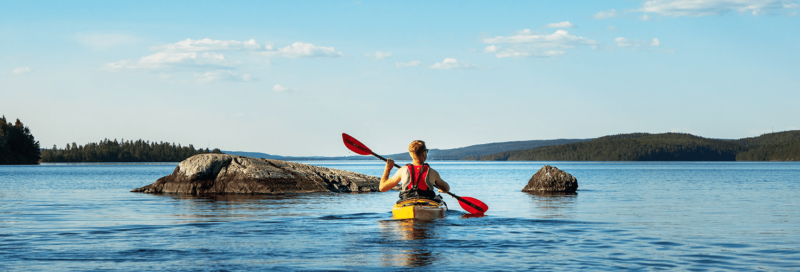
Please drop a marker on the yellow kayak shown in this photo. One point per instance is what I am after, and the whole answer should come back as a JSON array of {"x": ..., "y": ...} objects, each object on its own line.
[{"x": 422, "y": 209}]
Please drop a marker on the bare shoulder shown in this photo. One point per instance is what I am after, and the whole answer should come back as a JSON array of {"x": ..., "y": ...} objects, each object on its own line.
[{"x": 433, "y": 172}]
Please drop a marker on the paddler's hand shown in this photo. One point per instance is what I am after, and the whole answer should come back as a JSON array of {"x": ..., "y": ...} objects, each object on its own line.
[{"x": 389, "y": 164}]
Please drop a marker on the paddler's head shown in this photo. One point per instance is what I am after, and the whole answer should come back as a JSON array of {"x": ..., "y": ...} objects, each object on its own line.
[{"x": 418, "y": 151}]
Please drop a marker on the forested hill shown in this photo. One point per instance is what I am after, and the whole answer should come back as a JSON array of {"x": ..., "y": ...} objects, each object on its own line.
[
  {"x": 462, "y": 153},
  {"x": 780, "y": 146},
  {"x": 475, "y": 151},
  {"x": 122, "y": 151}
]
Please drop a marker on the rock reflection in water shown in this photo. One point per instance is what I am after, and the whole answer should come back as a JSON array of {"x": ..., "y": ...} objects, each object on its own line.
[
  {"x": 410, "y": 240},
  {"x": 234, "y": 207},
  {"x": 554, "y": 205}
]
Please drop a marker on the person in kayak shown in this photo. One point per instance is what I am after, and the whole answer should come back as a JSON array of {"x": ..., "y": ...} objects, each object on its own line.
[{"x": 417, "y": 179}]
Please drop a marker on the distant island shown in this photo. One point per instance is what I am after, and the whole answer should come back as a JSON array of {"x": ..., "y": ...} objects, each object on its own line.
[
  {"x": 781, "y": 146},
  {"x": 123, "y": 151}
]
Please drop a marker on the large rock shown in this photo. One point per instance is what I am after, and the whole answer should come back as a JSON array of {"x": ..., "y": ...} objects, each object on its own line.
[
  {"x": 229, "y": 174},
  {"x": 551, "y": 180}
]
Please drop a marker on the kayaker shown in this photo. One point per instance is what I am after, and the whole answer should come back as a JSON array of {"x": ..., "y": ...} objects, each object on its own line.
[{"x": 417, "y": 178}]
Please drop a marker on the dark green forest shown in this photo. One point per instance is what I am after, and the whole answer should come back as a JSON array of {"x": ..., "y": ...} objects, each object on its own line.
[
  {"x": 122, "y": 151},
  {"x": 474, "y": 151},
  {"x": 17, "y": 145},
  {"x": 782, "y": 146}
]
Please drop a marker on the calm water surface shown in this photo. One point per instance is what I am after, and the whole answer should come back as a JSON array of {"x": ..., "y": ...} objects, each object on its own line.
[{"x": 693, "y": 216}]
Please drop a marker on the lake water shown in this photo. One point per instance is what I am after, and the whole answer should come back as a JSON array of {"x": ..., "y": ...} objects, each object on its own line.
[{"x": 694, "y": 216}]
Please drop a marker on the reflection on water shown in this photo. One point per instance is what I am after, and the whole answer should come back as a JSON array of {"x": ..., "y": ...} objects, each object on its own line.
[
  {"x": 412, "y": 238},
  {"x": 554, "y": 205},
  {"x": 221, "y": 208}
]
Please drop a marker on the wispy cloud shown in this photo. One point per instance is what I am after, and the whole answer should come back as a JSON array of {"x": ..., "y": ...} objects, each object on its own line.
[
  {"x": 222, "y": 75},
  {"x": 636, "y": 44},
  {"x": 451, "y": 63},
  {"x": 304, "y": 50},
  {"x": 407, "y": 64},
  {"x": 606, "y": 14},
  {"x": 206, "y": 44},
  {"x": 564, "y": 24},
  {"x": 22, "y": 70},
  {"x": 527, "y": 44},
  {"x": 173, "y": 61},
  {"x": 208, "y": 59},
  {"x": 378, "y": 55},
  {"x": 678, "y": 8}
]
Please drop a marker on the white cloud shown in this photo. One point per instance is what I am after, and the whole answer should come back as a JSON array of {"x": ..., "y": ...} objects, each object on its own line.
[
  {"x": 205, "y": 60},
  {"x": 305, "y": 50},
  {"x": 378, "y": 55},
  {"x": 251, "y": 45},
  {"x": 519, "y": 54},
  {"x": 564, "y": 24},
  {"x": 606, "y": 14},
  {"x": 165, "y": 57},
  {"x": 526, "y": 44},
  {"x": 221, "y": 75},
  {"x": 407, "y": 64},
  {"x": 281, "y": 88},
  {"x": 490, "y": 49},
  {"x": 206, "y": 44},
  {"x": 677, "y": 8},
  {"x": 560, "y": 38},
  {"x": 103, "y": 41},
  {"x": 645, "y": 17},
  {"x": 173, "y": 60},
  {"x": 451, "y": 63},
  {"x": 22, "y": 70},
  {"x": 611, "y": 28},
  {"x": 636, "y": 44}
]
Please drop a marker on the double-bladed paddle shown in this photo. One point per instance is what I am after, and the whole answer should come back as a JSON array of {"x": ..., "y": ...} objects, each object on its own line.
[{"x": 469, "y": 204}]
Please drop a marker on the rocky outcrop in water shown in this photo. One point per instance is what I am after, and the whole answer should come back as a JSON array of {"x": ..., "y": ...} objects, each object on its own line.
[
  {"x": 230, "y": 174},
  {"x": 551, "y": 180}
]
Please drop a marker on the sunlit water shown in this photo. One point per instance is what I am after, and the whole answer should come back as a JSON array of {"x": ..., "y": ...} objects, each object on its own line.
[{"x": 672, "y": 216}]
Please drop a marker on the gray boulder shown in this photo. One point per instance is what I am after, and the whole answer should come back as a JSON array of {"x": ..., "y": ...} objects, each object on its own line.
[
  {"x": 551, "y": 180},
  {"x": 230, "y": 174}
]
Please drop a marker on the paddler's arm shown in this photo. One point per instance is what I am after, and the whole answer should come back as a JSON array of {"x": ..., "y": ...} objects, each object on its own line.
[
  {"x": 441, "y": 184},
  {"x": 388, "y": 183}
]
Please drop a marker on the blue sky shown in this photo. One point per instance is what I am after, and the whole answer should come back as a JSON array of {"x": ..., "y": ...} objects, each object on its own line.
[{"x": 288, "y": 78}]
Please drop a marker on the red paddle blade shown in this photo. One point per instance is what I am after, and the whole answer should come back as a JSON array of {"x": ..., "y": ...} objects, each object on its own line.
[
  {"x": 354, "y": 145},
  {"x": 470, "y": 209}
]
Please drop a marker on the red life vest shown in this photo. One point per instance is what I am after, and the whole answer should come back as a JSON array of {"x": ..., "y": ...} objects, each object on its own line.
[{"x": 418, "y": 175}]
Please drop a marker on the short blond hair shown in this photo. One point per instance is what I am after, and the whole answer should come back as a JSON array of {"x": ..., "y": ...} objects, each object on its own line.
[{"x": 417, "y": 148}]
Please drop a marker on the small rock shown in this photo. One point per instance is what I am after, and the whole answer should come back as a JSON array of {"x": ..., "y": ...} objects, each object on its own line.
[{"x": 551, "y": 180}]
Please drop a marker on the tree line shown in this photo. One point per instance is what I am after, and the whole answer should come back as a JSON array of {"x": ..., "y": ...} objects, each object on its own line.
[
  {"x": 17, "y": 145},
  {"x": 123, "y": 151},
  {"x": 782, "y": 146}
]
